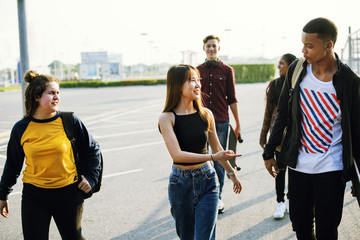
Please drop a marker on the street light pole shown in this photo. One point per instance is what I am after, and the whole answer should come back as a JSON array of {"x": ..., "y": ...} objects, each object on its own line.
[{"x": 24, "y": 57}]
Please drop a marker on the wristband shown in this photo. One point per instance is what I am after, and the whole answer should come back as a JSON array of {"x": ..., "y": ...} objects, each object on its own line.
[{"x": 231, "y": 173}]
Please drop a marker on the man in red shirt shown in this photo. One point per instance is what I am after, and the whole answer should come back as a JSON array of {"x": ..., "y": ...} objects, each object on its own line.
[{"x": 218, "y": 88}]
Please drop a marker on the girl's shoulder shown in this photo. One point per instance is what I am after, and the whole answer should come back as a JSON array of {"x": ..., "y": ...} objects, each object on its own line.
[{"x": 166, "y": 116}]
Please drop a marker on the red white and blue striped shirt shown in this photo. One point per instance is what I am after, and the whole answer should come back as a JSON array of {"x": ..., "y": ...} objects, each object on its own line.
[{"x": 321, "y": 149}]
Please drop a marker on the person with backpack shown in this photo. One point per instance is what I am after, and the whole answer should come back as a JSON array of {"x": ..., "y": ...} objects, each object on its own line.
[
  {"x": 53, "y": 187},
  {"x": 321, "y": 113},
  {"x": 272, "y": 97}
]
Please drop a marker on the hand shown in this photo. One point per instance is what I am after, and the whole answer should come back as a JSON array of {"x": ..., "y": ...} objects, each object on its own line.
[
  {"x": 237, "y": 132},
  {"x": 4, "y": 208},
  {"x": 237, "y": 185},
  {"x": 225, "y": 155},
  {"x": 271, "y": 166},
  {"x": 84, "y": 185}
]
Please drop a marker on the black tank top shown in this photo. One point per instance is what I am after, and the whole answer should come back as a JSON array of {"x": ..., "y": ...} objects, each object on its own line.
[{"x": 191, "y": 133}]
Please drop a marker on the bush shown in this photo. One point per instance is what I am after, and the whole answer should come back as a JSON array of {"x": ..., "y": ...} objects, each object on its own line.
[
  {"x": 251, "y": 73},
  {"x": 244, "y": 73},
  {"x": 98, "y": 83}
]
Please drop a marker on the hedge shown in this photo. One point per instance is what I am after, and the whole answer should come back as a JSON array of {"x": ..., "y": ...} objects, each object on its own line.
[
  {"x": 251, "y": 73},
  {"x": 98, "y": 83},
  {"x": 244, "y": 73}
]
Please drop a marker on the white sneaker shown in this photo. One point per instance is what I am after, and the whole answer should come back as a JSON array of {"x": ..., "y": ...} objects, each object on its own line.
[
  {"x": 221, "y": 208},
  {"x": 280, "y": 210},
  {"x": 287, "y": 205}
]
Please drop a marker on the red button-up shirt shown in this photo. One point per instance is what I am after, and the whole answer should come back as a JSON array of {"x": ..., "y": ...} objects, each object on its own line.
[{"x": 218, "y": 89}]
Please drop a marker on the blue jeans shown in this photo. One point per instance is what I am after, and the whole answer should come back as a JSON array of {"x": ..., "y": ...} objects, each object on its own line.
[
  {"x": 193, "y": 197},
  {"x": 222, "y": 130}
]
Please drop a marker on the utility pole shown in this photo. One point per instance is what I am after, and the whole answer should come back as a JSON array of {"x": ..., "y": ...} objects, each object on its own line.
[{"x": 24, "y": 57}]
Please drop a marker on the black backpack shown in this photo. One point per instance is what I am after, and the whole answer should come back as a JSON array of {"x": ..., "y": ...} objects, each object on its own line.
[{"x": 68, "y": 122}]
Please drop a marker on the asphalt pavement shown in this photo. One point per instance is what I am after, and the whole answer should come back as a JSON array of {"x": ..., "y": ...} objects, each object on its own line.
[{"x": 133, "y": 203}]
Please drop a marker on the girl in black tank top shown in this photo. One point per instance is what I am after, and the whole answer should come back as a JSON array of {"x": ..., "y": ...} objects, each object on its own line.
[
  {"x": 191, "y": 133},
  {"x": 187, "y": 128}
]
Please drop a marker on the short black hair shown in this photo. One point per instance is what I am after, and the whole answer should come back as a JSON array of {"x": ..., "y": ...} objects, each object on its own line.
[{"x": 324, "y": 27}]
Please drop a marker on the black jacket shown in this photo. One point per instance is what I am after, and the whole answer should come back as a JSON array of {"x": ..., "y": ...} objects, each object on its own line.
[{"x": 347, "y": 86}]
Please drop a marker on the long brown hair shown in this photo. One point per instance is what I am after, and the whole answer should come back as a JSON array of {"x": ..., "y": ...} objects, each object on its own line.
[
  {"x": 176, "y": 77},
  {"x": 37, "y": 85}
]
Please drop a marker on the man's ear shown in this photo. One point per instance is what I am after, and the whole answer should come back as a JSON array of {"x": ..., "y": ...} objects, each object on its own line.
[
  {"x": 329, "y": 45},
  {"x": 219, "y": 48},
  {"x": 204, "y": 47}
]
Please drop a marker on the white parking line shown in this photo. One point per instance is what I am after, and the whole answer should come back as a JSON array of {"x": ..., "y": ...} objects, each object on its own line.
[
  {"x": 105, "y": 176},
  {"x": 115, "y": 114},
  {"x": 132, "y": 146},
  {"x": 2, "y": 156},
  {"x": 122, "y": 173},
  {"x": 125, "y": 133}
]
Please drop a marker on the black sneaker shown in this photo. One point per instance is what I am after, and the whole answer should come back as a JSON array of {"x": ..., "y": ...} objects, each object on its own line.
[{"x": 221, "y": 208}]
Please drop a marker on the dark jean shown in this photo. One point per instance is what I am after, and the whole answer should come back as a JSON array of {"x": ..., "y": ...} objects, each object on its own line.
[
  {"x": 316, "y": 195},
  {"x": 280, "y": 181},
  {"x": 38, "y": 205},
  {"x": 193, "y": 197},
  {"x": 222, "y": 131}
]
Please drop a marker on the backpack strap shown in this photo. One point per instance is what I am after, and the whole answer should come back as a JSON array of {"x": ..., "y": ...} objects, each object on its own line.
[
  {"x": 68, "y": 122},
  {"x": 67, "y": 118},
  {"x": 297, "y": 71}
]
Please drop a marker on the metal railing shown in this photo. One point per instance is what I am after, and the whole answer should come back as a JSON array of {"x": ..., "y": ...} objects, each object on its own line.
[{"x": 350, "y": 54}]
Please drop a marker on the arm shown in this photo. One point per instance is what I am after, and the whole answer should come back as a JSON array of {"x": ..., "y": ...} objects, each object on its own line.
[
  {"x": 355, "y": 128},
  {"x": 280, "y": 123},
  {"x": 232, "y": 101},
  {"x": 281, "y": 120},
  {"x": 13, "y": 166},
  {"x": 268, "y": 114},
  {"x": 234, "y": 110},
  {"x": 220, "y": 154},
  {"x": 14, "y": 161},
  {"x": 89, "y": 154}
]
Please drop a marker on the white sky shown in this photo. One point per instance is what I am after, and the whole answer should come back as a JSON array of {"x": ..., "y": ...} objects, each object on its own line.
[{"x": 62, "y": 29}]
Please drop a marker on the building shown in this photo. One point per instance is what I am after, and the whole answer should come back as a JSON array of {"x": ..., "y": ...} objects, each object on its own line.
[{"x": 100, "y": 65}]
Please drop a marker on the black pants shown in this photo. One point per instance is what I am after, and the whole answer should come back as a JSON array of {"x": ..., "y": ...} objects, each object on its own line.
[
  {"x": 38, "y": 205},
  {"x": 280, "y": 180},
  {"x": 318, "y": 196}
]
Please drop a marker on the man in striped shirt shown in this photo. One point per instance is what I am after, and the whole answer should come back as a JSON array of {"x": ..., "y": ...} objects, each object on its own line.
[{"x": 322, "y": 141}]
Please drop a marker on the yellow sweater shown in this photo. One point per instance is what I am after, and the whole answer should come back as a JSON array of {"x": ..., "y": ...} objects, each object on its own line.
[{"x": 49, "y": 156}]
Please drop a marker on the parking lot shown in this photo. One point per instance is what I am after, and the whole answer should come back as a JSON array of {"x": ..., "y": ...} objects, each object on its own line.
[{"x": 132, "y": 203}]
